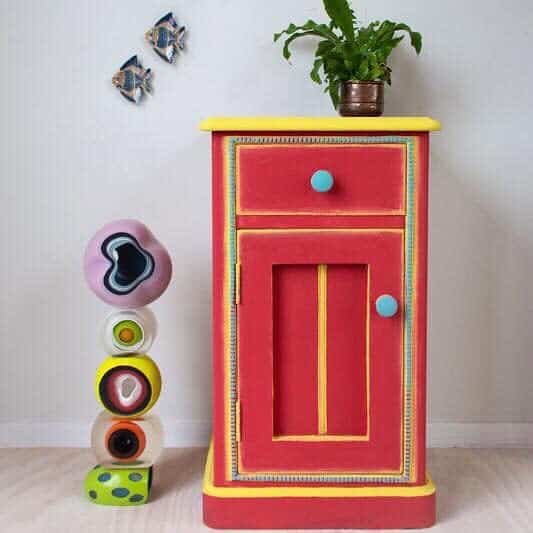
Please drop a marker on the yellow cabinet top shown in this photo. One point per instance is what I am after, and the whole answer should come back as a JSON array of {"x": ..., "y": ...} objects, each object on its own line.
[{"x": 320, "y": 124}]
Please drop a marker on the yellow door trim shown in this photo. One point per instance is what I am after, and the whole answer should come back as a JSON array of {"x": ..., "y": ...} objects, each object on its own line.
[{"x": 322, "y": 380}]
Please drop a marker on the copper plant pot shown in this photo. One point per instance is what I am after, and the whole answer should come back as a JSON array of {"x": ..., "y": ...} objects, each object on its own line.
[{"x": 361, "y": 99}]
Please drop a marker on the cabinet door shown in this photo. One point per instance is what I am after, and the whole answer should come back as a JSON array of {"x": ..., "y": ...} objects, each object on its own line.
[{"x": 319, "y": 370}]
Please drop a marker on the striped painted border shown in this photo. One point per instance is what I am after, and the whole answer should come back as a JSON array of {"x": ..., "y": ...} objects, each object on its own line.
[{"x": 406, "y": 474}]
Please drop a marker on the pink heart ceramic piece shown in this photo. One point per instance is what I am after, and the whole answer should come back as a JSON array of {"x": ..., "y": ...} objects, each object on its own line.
[{"x": 126, "y": 266}]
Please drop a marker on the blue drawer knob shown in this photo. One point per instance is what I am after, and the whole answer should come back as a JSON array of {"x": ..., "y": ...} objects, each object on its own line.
[
  {"x": 386, "y": 305},
  {"x": 322, "y": 181}
]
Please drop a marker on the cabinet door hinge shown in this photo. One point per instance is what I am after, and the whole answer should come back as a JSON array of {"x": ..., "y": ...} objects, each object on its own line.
[
  {"x": 237, "y": 283},
  {"x": 238, "y": 421}
]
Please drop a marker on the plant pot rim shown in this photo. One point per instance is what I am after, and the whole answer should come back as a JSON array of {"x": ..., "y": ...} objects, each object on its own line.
[{"x": 357, "y": 82}]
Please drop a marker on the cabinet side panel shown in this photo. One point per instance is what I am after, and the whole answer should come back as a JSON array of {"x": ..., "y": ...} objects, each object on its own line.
[
  {"x": 218, "y": 304},
  {"x": 422, "y": 170}
]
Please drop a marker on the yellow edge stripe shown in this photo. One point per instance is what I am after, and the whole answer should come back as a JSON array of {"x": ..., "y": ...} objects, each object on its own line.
[
  {"x": 367, "y": 355},
  {"x": 325, "y": 212},
  {"x": 322, "y": 274},
  {"x": 238, "y": 421},
  {"x": 309, "y": 492},
  {"x": 320, "y": 230},
  {"x": 414, "y": 443},
  {"x": 226, "y": 314},
  {"x": 237, "y": 283},
  {"x": 320, "y": 438},
  {"x": 318, "y": 124}
]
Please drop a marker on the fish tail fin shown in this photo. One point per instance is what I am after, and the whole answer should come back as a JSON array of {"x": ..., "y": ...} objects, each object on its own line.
[
  {"x": 147, "y": 82},
  {"x": 180, "y": 39}
]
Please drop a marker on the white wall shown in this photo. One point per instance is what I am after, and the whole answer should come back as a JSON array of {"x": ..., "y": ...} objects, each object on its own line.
[{"x": 75, "y": 155}]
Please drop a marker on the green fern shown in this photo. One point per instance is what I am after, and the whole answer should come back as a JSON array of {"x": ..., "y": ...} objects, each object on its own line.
[
  {"x": 347, "y": 51},
  {"x": 342, "y": 16}
]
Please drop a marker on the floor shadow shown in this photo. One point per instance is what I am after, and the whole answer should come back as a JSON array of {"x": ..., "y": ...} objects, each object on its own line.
[{"x": 180, "y": 467}]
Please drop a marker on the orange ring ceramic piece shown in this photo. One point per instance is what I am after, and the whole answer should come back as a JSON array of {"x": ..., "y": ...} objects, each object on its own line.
[{"x": 126, "y": 426}]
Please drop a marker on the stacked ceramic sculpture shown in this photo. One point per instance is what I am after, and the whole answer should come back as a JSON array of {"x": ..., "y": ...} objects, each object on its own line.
[{"x": 127, "y": 268}]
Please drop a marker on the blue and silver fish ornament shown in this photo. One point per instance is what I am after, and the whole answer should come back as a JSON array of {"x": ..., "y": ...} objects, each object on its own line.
[
  {"x": 133, "y": 80},
  {"x": 167, "y": 37}
]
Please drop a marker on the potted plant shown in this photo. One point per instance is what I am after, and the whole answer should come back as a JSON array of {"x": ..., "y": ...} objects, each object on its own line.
[{"x": 350, "y": 58}]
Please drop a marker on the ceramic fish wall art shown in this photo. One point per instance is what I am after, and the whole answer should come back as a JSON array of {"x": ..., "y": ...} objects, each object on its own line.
[
  {"x": 166, "y": 37},
  {"x": 133, "y": 80}
]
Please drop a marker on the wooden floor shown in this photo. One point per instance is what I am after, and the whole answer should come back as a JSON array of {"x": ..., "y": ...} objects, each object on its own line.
[{"x": 41, "y": 490}]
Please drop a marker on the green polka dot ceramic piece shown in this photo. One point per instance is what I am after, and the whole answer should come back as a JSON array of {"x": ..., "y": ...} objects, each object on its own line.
[{"x": 118, "y": 486}]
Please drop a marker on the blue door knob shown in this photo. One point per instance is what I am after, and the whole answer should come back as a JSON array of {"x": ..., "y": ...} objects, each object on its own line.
[
  {"x": 322, "y": 181},
  {"x": 386, "y": 305}
]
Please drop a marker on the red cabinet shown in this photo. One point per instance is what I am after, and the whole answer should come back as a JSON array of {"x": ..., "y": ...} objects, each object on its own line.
[{"x": 319, "y": 324}]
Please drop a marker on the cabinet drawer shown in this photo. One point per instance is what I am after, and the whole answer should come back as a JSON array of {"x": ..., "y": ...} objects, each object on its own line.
[{"x": 276, "y": 179}]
